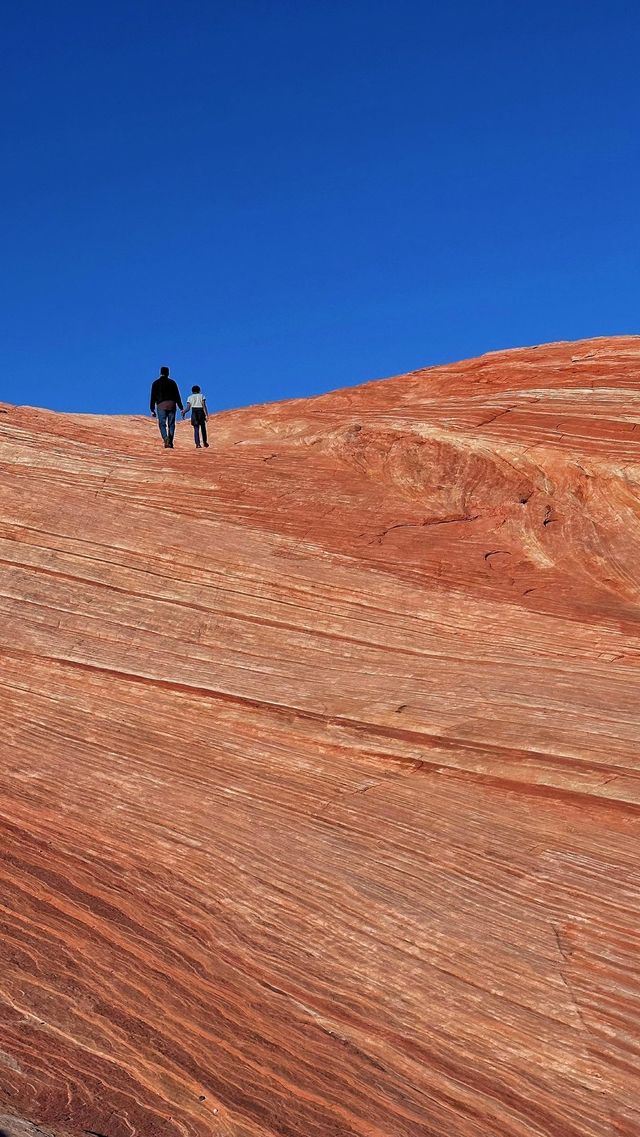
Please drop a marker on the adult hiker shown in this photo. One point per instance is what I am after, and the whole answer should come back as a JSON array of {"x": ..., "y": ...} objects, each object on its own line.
[
  {"x": 165, "y": 397},
  {"x": 197, "y": 404}
]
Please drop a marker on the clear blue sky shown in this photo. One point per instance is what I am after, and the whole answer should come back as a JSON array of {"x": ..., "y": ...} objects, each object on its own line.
[{"x": 280, "y": 197}]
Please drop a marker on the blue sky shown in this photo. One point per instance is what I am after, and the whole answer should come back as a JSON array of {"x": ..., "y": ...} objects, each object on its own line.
[{"x": 280, "y": 197}]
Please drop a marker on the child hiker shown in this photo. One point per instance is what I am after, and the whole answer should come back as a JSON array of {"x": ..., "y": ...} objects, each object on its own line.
[{"x": 197, "y": 404}]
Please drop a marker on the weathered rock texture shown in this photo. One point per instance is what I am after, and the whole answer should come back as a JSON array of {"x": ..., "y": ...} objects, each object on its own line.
[{"x": 320, "y": 777}]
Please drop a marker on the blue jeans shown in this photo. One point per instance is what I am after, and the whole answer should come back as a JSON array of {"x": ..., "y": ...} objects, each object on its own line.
[{"x": 167, "y": 423}]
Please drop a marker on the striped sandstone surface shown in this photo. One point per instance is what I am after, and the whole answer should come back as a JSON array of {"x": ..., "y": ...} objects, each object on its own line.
[{"x": 320, "y": 779}]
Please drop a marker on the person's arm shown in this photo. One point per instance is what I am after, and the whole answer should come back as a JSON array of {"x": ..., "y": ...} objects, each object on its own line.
[
  {"x": 205, "y": 408},
  {"x": 178, "y": 399},
  {"x": 186, "y": 409},
  {"x": 152, "y": 399}
]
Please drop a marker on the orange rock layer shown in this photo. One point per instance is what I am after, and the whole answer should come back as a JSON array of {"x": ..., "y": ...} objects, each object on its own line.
[{"x": 320, "y": 775}]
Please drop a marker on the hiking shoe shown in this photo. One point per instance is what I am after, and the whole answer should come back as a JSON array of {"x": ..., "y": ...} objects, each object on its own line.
[
  {"x": 166, "y": 443},
  {"x": 207, "y": 445},
  {"x": 198, "y": 447}
]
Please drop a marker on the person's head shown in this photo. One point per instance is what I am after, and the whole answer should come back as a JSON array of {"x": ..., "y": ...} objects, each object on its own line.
[
  {"x": 164, "y": 371},
  {"x": 195, "y": 390}
]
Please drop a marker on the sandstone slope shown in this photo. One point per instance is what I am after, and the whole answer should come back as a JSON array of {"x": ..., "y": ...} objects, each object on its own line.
[{"x": 320, "y": 775}]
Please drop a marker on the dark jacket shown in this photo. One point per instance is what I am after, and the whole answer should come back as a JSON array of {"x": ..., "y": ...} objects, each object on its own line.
[{"x": 164, "y": 388}]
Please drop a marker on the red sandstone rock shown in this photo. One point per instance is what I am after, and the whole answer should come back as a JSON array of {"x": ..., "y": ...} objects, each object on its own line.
[{"x": 320, "y": 775}]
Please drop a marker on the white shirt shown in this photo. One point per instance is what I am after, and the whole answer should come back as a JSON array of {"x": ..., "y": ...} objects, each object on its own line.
[{"x": 195, "y": 400}]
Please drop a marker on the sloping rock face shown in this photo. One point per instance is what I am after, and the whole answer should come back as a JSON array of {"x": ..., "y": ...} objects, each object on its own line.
[{"x": 320, "y": 775}]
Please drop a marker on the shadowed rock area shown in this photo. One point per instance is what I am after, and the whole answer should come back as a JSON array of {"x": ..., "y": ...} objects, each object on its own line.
[{"x": 320, "y": 775}]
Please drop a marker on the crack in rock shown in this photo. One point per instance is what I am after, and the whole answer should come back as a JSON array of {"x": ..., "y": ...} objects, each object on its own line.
[
  {"x": 367, "y": 786},
  {"x": 566, "y": 955},
  {"x": 379, "y": 537},
  {"x": 497, "y": 415}
]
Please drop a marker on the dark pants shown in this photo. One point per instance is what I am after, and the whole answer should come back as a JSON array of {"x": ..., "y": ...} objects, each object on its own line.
[
  {"x": 166, "y": 421},
  {"x": 199, "y": 423}
]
